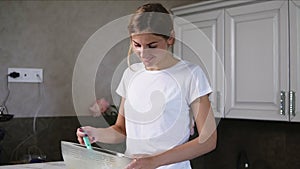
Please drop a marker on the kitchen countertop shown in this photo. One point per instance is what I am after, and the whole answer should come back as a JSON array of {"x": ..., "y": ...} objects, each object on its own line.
[{"x": 47, "y": 165}]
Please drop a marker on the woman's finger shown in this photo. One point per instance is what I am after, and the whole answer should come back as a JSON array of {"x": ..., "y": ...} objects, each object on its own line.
[
  {"x": 80, "y": 134},
  {"x": 132, "y": 164}
]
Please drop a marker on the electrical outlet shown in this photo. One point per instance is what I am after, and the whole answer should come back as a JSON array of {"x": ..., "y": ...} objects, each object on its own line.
[{"x": 26, "y": 75}]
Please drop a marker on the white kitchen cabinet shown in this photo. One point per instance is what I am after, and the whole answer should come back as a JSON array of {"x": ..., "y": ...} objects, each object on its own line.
[
  {"x": 258, "y": 43},
  {"x": 295, "y": 60},
  {"x": 256, "y": 61},
  {"x": 200, "y": 41}
]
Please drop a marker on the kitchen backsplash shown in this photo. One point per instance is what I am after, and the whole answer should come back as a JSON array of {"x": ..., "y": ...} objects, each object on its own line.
[{"x": 268, "y": 145}]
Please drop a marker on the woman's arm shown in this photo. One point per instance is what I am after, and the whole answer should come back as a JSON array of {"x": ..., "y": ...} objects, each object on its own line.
[
  {"x": 204, "y": 143},
  {"x": 113, "y": 134}
]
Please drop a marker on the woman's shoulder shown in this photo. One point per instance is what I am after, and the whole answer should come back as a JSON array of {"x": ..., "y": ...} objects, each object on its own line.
[
  {"x": 190, "y": 66},
  {"x": 133, "y": 68}
]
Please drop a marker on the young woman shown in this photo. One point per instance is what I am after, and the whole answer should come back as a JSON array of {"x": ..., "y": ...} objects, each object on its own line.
[{"x": 157, "y": 96}]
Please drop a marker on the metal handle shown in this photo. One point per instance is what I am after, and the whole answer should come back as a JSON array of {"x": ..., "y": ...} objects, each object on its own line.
[
  {"x": 292, "y": 103},
  {"x": 282, "y": 103}
]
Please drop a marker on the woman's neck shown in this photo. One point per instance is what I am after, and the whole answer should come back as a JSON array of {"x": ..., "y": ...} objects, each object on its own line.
[{"x": 169, "y": 61}]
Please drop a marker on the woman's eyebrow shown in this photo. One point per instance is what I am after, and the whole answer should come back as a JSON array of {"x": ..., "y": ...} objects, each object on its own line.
[{"x": 147, "y": 44}]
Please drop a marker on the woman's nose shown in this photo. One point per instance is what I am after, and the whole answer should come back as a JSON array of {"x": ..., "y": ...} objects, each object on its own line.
[{"x": 143, "y": 52}]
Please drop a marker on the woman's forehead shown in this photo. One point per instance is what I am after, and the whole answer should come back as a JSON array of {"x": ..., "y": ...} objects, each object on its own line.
[{"x": 145, "y": 37}]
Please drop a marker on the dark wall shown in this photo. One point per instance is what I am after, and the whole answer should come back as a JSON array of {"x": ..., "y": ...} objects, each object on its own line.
[
  {"x": 42, "y": 136},
  {"x": 20, "y": 140},
  {"x": 269, "y": 145}
]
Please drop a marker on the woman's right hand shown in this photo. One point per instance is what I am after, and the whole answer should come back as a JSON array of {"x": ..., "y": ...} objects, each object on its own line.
[{"x": 86, "y": 131}]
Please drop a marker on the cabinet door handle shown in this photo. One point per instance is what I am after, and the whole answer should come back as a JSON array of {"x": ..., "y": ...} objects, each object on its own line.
[
  {"x": 282, "y": 103},
  {"x": 292, "y": 103}
]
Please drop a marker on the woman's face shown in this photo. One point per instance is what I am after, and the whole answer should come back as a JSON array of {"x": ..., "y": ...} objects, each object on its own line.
[{"x": 151, "y": 49}]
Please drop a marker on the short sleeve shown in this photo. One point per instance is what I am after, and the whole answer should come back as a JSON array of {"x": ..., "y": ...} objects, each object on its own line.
[
  {"x": 199, "y": 84},
  {"x": 121, "y": 89}
]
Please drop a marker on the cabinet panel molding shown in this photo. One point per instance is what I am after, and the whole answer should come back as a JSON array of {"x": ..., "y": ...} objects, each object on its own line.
[
  {"x": 295, "y": 56},
  {"x": 259, "y": 45},
  {"x": 256, "y": 60},
  {"x": 200, "y": 41},
  {"x": 209, "y": 5}
]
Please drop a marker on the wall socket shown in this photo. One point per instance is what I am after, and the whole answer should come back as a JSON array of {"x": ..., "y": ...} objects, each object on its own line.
[{"x": 27, "y": 75}]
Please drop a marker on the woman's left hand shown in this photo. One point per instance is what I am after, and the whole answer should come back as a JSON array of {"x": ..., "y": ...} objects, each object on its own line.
[{"x": 142, "y": 163}]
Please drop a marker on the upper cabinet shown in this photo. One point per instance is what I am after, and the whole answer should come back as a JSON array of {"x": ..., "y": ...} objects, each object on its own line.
[
  {"x": 256, "y": 52},
  {"x": 294, "y": 94},
  {"x": 254, "y": 43},
  {"x": 200, "y": 40}
]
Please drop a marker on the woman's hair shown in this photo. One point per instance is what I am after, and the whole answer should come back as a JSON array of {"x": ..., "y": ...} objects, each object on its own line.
[{"x": 151, "y": 18}]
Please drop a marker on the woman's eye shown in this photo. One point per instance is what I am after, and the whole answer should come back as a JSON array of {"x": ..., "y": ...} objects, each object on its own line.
[
  {"x": 137, "y": 45},
  {"x": 152, "y": 46}
]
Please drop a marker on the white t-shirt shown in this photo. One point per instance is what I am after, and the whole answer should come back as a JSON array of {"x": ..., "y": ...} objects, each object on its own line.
[{"x": 156, "y": 107}]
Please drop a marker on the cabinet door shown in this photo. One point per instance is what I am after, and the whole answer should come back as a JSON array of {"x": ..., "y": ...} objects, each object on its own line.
[
  {"x": 200, "y": 41},
  {"x": 256, "y": 60},
  {"x": 295, "y": 57}
]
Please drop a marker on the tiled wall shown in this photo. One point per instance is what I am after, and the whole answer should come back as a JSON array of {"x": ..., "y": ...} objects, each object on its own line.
[{"x": 269, "y": 145}]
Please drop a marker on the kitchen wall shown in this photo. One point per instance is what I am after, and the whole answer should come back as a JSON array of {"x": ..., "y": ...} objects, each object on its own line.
[{"x": 50, "y": 35}]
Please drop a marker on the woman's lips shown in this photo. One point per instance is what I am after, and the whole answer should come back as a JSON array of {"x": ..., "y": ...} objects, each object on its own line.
[{"x": 147, "y": 59}]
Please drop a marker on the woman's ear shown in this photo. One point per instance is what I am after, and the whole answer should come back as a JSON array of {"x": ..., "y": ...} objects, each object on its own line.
[{"x": 171, "y": 39}]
